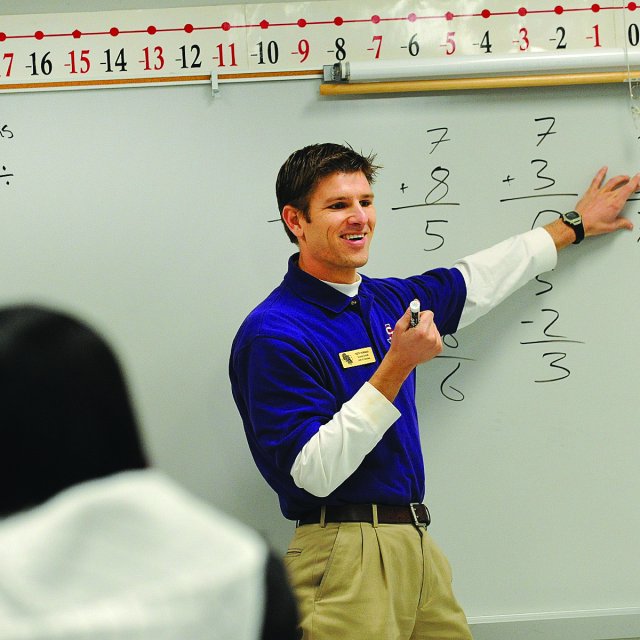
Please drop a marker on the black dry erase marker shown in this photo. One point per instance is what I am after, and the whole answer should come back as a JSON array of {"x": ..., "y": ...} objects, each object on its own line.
[{"x": 415, "y": 313}]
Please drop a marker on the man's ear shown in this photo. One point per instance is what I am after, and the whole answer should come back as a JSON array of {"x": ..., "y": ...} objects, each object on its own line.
[{"x": 292, "y": 217}]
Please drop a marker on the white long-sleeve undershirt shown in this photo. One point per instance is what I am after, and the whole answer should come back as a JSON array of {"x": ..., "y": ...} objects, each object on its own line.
[{"x": 340, "y": 445}]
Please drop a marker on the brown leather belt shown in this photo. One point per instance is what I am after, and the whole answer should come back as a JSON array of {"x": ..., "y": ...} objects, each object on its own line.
[{"x": 414, "y": 513}]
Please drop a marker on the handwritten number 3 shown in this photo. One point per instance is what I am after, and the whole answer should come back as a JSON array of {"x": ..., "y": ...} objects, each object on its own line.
[{"x": 554, "y": 364}]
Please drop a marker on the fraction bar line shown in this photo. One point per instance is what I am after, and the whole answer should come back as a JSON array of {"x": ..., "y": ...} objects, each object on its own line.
[
  {"x": 540, "y": 195},
  {"x": 553, "y": 340},
  {"x": 426, "y": 204}
]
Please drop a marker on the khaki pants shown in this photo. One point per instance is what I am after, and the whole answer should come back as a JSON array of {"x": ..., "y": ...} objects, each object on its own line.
[{"x": 354, "y": 581}]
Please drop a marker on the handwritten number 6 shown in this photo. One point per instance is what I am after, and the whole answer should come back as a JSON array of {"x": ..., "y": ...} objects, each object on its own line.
[{"x": 457, "y": 398}]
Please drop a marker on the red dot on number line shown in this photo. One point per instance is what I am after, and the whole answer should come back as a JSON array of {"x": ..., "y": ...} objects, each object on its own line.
[
  {"x": 38, "y": 35},
  {"x": 522, "y": 11},
  {"x": 558, "y": 9},
  {"x": 338, "y": 21},
  {"x": 485, "y": 13},
  {"x": 264, "y": 24},
  {"x": 226, "y": 26},
  {"x": 151, "y": 29},
  {"x": 76, "y": 34},
  {"x": 375, "y": 19},
  {"x": 302, "y": 22},
  {"x": 449, "y": 16},
  {"x": 3, "y": 37},
  {"x": 412, "y": 17},
  {"x": 188, "y": 28},
  {"x": 595, "y": 8},
  {"x": 632, "y": 6},
  {"x": 114, "y": 31}
]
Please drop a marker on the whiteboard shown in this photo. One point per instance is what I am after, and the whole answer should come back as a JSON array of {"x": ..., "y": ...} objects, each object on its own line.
[{"x": 150, "y": 213}]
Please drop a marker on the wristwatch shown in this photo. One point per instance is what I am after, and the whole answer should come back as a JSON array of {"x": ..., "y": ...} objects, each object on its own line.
[{"x": 574, "y": 220}]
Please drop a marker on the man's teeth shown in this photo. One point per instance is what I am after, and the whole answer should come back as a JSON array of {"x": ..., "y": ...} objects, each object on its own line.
[{"x": 354, "y": 236}]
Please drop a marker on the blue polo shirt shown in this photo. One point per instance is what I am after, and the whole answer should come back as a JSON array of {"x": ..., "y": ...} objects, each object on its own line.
[{"x": 287, "y": 378}]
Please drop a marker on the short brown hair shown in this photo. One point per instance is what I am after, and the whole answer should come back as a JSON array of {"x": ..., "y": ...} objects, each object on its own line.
[{"x": 304, "y": 168}]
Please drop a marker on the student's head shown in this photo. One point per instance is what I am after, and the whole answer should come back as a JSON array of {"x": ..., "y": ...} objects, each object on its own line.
[
  {"x": 302, "y": 171},
  {"x": 65, "y": 413}
]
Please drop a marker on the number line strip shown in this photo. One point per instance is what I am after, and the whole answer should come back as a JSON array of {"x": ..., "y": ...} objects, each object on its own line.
[{"x": 337, "y": 21}]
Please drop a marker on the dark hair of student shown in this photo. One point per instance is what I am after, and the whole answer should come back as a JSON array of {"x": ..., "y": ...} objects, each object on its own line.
[
  {"x": 304, "y": 168},
  {"x": 65, "y": 413}
]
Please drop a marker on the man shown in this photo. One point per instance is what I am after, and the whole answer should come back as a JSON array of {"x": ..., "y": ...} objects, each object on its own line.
[{"x": 327, "y": 396}]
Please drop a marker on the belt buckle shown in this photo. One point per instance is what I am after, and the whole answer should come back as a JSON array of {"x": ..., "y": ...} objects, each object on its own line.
[{"x": 413, "y": 506}]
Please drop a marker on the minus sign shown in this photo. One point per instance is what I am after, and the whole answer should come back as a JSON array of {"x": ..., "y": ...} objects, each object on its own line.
[{"x": 526, "y": 321}]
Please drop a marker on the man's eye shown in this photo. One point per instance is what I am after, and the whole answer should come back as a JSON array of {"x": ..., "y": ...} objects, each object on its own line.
[
  {"x": 337, "y": 205},
  {"x": 366, "y": 203}
]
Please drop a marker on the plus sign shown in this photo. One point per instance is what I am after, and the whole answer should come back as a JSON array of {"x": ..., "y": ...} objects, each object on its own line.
[
  {"x": 403, "y": 186},
  {"x": 508, "y": 180}
]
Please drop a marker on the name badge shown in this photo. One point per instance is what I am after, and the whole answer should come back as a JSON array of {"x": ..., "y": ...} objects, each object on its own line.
[{"x": 356, "y": 357}]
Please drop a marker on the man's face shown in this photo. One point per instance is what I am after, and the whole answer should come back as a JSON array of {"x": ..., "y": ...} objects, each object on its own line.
[{"x": 335, "y": 242}]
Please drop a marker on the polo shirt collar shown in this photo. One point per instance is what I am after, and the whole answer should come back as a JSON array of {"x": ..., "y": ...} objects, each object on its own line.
[{"x": 313, "y": 290}]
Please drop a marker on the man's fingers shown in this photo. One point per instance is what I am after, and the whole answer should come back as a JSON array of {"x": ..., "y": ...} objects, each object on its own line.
[{"x": 598, "y": 178}]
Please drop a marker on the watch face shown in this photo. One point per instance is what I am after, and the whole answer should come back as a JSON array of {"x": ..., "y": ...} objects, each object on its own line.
[{"x": 572, "y": 216}]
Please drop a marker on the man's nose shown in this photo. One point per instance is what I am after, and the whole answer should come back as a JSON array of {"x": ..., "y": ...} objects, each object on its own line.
[{"x": 358, "y": 214}]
